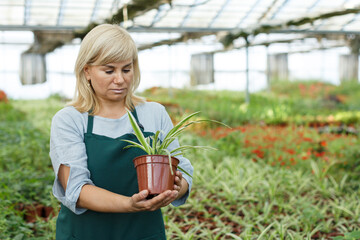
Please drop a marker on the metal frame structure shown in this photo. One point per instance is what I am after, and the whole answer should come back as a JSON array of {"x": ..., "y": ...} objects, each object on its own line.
[
  {"x": 239, "y": 19},
  {"x": 180, "y": 15}
]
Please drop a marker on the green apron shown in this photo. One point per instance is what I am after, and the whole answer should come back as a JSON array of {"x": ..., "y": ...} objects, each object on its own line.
[{"x": 111, "y": 167}]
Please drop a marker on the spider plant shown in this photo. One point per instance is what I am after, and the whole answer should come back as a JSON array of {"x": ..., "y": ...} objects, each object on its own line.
[{"x": 152, "y": 145}]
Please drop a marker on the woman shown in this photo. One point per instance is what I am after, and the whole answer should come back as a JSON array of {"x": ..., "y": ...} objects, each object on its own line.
[{"x": 95, "y": 180}]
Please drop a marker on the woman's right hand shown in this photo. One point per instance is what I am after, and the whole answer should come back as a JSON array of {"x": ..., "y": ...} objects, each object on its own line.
[{"x": 138, "y": 201}]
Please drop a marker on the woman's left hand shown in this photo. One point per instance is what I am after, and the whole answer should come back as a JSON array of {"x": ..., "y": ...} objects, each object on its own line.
[
  {"x": 178, "y": 182},
  {"x": 180, "y": 185}
]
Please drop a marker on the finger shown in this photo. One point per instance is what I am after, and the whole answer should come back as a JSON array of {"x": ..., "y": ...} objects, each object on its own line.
[
  {"x": 178, "y": 184},
  {"x": 140, "y": 196},
  {"x": 160, "y": 200},
  {"x": 173, "y": 196},
  {"x": 179, "y": 174}
]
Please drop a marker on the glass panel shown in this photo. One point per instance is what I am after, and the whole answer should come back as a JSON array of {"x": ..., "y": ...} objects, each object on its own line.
[
  {"x": 146, "y": 19},
  {"x": 354, "y": 26},
  {"x": 102, "y": 13},
  {"x": 12, "y": 15},
  {"x": 43, "y": 15},
  {"x": 200, "y": 18},
  {"x": 84, "y": 4},
  {"x": 76, "y": 22},
  {"x": 45, "y": 3},
  {"x": 299, "y": 4},
  {"x": 173, "y": 18}
]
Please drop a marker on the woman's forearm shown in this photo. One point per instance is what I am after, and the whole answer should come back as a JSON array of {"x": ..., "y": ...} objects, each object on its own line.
[
  {"x": 95, "y": 198},
  {"x": 102, "y": 200}
]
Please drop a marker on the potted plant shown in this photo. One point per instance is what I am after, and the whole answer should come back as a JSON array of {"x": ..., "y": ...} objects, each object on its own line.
[{"x": 155, "y": 170}]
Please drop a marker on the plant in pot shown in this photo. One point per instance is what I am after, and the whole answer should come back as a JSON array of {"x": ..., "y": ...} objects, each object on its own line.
[{"x": 155, "y": 170}]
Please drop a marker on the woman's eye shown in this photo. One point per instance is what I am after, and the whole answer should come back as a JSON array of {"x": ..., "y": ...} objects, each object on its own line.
[
  {"x": 109, "y": 72},
  {"x": 126, "y": 70}
]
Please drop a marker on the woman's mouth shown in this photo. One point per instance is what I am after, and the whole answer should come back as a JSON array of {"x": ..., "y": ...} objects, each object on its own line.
[{"x": 118, "y": 90}]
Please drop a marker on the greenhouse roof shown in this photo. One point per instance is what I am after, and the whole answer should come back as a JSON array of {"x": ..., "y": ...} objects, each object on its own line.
[{"x": 321, "y": 16}]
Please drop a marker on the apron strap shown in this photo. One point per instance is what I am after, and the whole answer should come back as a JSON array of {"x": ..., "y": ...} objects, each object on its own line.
[
  {"x": 137, "y": 120},
  {"x": 90, "y": 123}
]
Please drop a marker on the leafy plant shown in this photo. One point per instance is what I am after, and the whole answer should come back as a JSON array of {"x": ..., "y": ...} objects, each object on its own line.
[
  {"x": 349, "y": 236},
  {"x": 153, "y": 146}
]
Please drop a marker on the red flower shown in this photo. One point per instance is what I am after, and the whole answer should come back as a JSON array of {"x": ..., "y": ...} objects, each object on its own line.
[
  {"x": 319, "y": 154},
  {"x": 259, "y": 153},
  {"x": 291, "y": 151}
]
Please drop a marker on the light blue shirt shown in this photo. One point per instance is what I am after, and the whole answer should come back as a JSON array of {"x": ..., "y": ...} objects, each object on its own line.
[{"x": 67, "y": 146}]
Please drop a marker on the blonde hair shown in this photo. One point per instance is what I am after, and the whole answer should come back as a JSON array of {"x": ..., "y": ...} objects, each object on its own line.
[{"x": 104, "y": 44}]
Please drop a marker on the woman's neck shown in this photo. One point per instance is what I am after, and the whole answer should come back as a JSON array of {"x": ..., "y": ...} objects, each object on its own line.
[{"x": 112, "y": 110}]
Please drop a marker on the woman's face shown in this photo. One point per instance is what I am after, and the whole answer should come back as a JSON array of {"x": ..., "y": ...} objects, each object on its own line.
[{"x": 111, "y": 82}]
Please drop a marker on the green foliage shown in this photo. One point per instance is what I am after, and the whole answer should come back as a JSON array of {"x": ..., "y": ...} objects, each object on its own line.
[
  {"x": 26, "y": 174},
  {"x": 349, "y": 236},
  {"x": 299, "y": 103},
  {"x": 152, "y": 145},
  {"x": 242, "y": 191}
]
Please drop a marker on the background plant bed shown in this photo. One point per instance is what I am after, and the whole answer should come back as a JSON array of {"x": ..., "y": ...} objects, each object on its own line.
[{"x": 154, "y": 173}]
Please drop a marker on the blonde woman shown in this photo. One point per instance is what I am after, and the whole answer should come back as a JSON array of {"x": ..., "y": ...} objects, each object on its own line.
[{"x": 95, "y": 179}]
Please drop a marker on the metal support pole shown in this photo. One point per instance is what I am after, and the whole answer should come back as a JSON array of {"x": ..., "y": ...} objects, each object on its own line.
[
  {"x": 170, "y": 90},
  {"x": 247, "y": 95},
  {"x": 268, "y": 81}
]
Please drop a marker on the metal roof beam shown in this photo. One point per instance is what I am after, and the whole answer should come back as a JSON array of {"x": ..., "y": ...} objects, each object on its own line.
[
  {"x": 219, "y": 13},
  {"x": 188, "y": 14},
  {"x": 314, "y": 5},
  {"x": 270, "y": 6},
  {"x": 27, "y": 7},
  {"x": 161, "y": 13},
  {"x": 356, "y": 17},
  {"x": 279, "y": 9},
  {"x": 288, "y": 25},
  {"x": 61, "y": 12},
  {"x": 169, "y": 29},
  {"x": 95, "y": 10},
  {"x": 249, "y": 12},
  {"x": 177, "y": 30},
  {"x": 38, "y": 27},
  {"x": 114, "y": 6},
  {"x": 267, "y": 43}
]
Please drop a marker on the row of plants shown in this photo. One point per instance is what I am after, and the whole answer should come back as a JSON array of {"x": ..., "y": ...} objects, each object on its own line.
[
  {"x": 263, "y": 182},
  {"x": 271, "y": 182},
  {"x": 236, "y": 198},
  {"x": 301, "y": 103},
  {"x": 27, "y": 206},
  {"x": 283, "y": 181},
  {"x": 290, "y": 146}
]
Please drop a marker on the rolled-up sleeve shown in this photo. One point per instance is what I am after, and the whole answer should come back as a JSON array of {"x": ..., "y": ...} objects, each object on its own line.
[
  {"x": 67, "y": 147},
  {"x": 184, "y": 162}
]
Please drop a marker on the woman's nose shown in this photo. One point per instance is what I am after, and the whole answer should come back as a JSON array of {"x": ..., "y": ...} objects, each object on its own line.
[{"x": 118, "y": 78}]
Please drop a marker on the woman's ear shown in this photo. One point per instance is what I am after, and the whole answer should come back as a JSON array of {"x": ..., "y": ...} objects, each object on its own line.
[{"x": 87, "y": 72}]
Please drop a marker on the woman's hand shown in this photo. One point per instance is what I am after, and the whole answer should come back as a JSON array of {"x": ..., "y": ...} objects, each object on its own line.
[
  {"x": 138, "y": 202},
  {"x": 178, "y": 181},
  {"x": 181, "y": 185}
]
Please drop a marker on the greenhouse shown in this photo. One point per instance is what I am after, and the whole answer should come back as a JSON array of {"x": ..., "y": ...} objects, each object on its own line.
[{"x": 270, "y": 88}]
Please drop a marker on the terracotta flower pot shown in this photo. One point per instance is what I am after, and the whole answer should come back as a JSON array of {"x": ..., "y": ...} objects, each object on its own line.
[{"x": 153, "y": 173}]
